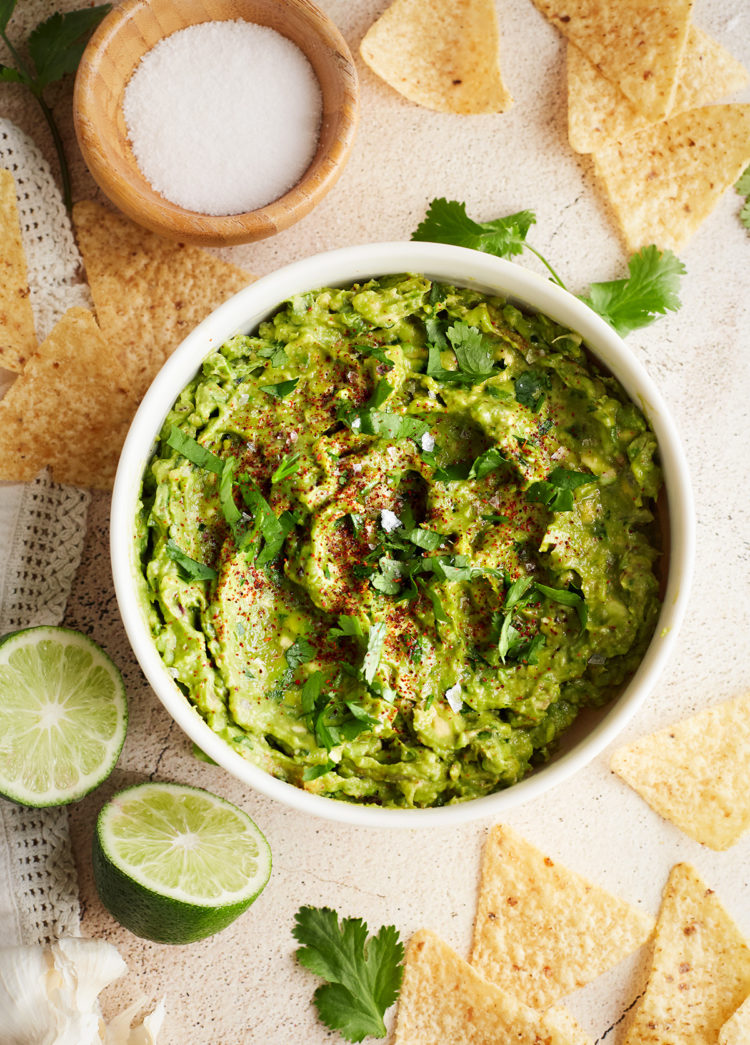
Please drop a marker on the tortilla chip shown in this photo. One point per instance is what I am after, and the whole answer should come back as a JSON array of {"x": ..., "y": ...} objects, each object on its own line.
[
  {"x": 664, "y": 181},
  {"x": 442, "y": 54},
  {"x": 638, "y": 45},
  {"x": 542, "y": 930},
  {"x": 736, "y": 1031},
  {"x": 700, "y": 971},
  {"x": 443, "y": 999},
  {"x": 696, "y": 773},
  {"x": 17, "y": 337},
  {"x": 69, "y": 409},
  {"x": 599, "y": 113},
  {"x": 149, "y": 292}
]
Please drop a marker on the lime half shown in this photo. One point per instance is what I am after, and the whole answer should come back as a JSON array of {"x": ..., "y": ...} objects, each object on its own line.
[
  {"x": 174, "y": 863},
  {"x": 63, "y": 716}
]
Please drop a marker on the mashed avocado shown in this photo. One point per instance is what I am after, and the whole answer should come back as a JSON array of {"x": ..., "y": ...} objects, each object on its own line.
[{"x": 392, "y": 543}]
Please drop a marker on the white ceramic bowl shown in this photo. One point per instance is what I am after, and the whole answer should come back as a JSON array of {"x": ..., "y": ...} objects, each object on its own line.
[{"x": 593, "y": 730}]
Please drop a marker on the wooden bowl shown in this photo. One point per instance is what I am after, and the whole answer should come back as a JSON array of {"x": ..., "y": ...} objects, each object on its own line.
[{"x": 110, "y": 59}]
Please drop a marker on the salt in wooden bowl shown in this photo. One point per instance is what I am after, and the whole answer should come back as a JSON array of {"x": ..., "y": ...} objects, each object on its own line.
[{"x": 111, "y": 57}]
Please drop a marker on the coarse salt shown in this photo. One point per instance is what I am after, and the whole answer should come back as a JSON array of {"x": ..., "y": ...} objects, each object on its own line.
[
  {"x": 389, "y": 520},
  {"x": 223, "y": 117},
  {"x": 453, "y": 696}
]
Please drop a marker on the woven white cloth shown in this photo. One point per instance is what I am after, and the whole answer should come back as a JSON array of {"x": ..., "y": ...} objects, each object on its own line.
[{"x": 42, "y": 529}]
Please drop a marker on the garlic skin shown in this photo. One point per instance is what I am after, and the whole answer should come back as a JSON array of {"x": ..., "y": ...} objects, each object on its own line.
[{"x": 50, "y": 996}]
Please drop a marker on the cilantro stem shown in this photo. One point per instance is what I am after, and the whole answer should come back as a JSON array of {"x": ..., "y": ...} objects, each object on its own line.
[
  {"x": 546, "y": 264},
  {"x": 57, "y": 139},
  {"x": 22, "y": 67}
]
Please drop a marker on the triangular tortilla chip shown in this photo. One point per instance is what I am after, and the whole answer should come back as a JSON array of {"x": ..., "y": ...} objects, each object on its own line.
[
  {"x": 663, "y": 182},
  {"x": 736, "y": 1031},
  {"x": 696, "y": 773},
  {"x": 69, "y": 409},
  {"x": 442, "y": 999},
  {"x": 599, "y": 113},
  {"x": 542, "y": 930},
  {"x": 442, "y": 54},
  {"x": 148, "y": 292},
  {"x": 17, "y": 336},
  {"x": 700, "y": 972},
  {"x": 636, "y": 44}
]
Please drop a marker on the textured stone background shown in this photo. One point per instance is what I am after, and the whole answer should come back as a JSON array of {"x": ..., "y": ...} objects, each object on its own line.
[{"x": 242, "y": 987}]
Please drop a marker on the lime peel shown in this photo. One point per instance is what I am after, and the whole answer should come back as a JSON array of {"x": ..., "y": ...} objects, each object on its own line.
[{"x": 174, "y": 863}]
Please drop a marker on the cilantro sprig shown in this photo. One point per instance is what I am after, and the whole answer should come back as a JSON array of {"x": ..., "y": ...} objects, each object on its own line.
[
  {"x": 364, "y": 975},
  {"x": 650, "y": 289},
  {"x": 743, "y": 188},
  {"x": 54, "y": 49}
]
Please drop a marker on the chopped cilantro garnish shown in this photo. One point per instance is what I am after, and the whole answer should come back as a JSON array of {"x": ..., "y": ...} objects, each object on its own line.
[
  {"x": 375, "y": 640},
  {"x": 363, "y": 975},
  {"x": 349, "y": 627},
  {"x": 530, "y": 388},
  {"x": 282, "y": 389},
  {"x": 567, "y": 597},
  {"x": 193, "y": 451},
  {"x": 191, "y": 568},
  {"x": 229, "y": 509},
  {"x": 515, "y": 595},
  {"x": 300, "y": 652},
  {"x": 556, "y": 491},
  {"x": 487, "y": 462},
  {"x": 286, "y": 467},
  {"x": 377, "y": 352}
]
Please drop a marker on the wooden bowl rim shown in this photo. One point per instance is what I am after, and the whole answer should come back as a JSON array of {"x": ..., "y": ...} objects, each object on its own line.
[{"x": 139, "y": 201}]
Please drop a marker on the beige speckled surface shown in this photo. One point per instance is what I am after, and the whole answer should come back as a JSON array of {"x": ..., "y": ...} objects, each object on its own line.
[{"x": 242, "y": 987}]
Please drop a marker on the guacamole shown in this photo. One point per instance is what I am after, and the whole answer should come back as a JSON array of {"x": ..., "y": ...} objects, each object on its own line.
[{"x": 394, "y": 541}]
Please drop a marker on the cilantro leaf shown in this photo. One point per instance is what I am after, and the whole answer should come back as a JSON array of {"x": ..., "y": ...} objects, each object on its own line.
[
  {"x": 7, "y": 7},
  {"x": 57, "y": 44},
  {"x": 300, "y": 652},
  {"x": 743, "y": 184},
  {"x": 386, "y": 424},
  {"x": 349, "y": 627},
  {"x": 229, "y": 509},
  {"x": 191, "y": 568},
  {"x": 471, "y": 348},
  {"x": 280, "y": 390},
  {"x": 193, "y": 451},
  {"x": 556, "y": 491},
  {"x": 743, "y": 187},
  {"x": 446, "y": 221},
  {"x": 364, "y": 976},
  {"x": 516, "y": 594},
  {"x": 651, "y": 289},
  {"x": 487, "y": 462},
  {"x": 567, "y": 597},
  {"x": 530, "y": 388},
  {"x": 375, "y": 640}
]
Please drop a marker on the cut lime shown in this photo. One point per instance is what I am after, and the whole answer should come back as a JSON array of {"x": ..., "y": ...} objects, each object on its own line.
[
  {"x": 63, "y": 716},
  {"x": 174, "y": 863}
]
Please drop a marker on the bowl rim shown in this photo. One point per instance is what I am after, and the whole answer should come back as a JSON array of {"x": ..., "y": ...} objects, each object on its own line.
[
  {"x": 163, "y": 216},
  {"x": 344, "y": 266}
]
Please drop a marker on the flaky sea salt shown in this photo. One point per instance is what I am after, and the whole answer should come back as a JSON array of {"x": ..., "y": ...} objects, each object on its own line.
[
  {"x": 389, "y": 520},
  {"x": 453, "y": 696},
  {"x": 223, "y": 117}
]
